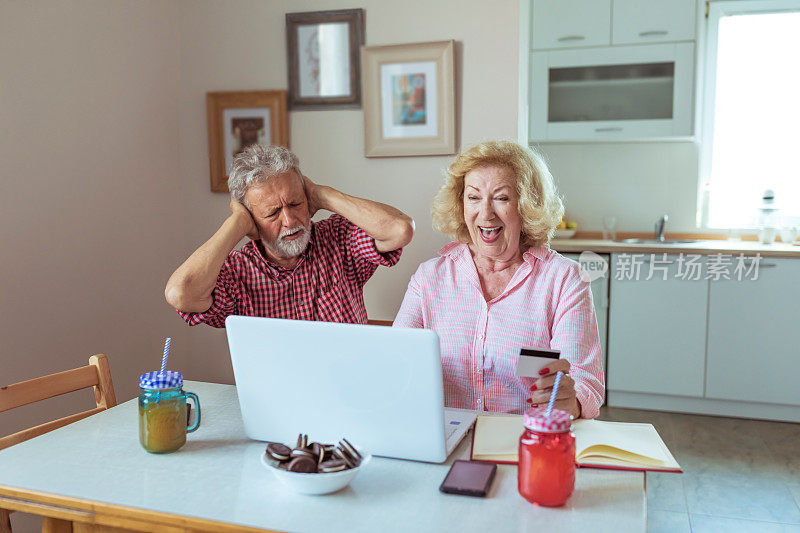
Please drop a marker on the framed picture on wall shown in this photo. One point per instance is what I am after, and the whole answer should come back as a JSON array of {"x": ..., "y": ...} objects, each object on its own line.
[
  {"x": 237, "y": 119},
  {"x": 323, "y": 50},
  {"x": 409, "y": 99}
]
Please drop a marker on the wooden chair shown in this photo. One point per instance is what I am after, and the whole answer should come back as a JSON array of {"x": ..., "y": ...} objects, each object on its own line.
[
  {"x": 380, "y": 322},
  {"x": 96, "y": 374}
]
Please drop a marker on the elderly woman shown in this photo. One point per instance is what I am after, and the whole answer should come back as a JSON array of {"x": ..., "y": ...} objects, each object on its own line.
[{"x": 500, "y": 287}]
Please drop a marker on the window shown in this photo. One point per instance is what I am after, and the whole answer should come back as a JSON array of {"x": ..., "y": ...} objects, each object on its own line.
[{"x": 751, "y": 106}]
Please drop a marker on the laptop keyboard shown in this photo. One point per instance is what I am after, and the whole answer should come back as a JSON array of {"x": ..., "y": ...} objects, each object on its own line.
[
  {"x": 450, "y": 428},
  {"x": 456, "y": 424}
]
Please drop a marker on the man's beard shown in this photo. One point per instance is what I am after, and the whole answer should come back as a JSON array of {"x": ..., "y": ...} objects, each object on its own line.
[{"x": 289, "y": 248}]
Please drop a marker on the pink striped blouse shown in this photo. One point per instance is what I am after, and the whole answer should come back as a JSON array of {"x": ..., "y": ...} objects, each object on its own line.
[{"x": 545, "y": 305}]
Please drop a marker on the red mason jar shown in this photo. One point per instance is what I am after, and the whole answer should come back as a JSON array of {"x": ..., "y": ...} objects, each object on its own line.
[{"x": 546, "y": 474}]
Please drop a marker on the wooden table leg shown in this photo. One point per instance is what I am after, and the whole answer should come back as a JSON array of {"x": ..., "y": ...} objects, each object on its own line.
[
  {"x": 5, "y": 521},
  {"x": 56, "y": 525}
]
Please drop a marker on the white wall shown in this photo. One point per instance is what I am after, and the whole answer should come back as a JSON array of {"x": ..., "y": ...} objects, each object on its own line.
[
  {"x": 241, "y": 45},
  {"x": 636, "y": 182}
]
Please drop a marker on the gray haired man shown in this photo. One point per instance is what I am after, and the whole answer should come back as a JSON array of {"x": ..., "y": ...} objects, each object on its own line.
[{"x": 292, "y": 267}]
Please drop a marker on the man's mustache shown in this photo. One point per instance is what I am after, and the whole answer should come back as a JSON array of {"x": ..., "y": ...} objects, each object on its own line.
[{"x": 291, "y": 231}]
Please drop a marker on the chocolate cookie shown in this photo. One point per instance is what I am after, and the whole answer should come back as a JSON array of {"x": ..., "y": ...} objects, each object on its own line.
[
  {"x": 305, "y": 465},
  {"x": 344, "y": 456},
  {"x": 318, "y": 450},
  {"x": 334, "y": 465},
  {"x": 278, "y": 451},
  {"x": 345, "y": 445},
  {"x": 303, "y": 452}
]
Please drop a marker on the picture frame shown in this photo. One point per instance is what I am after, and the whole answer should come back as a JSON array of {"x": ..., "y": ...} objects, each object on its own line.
[
  {"x": 323, "y": 57},
  {"x": 237, "y": 119},
  {"x": 409, "y": 99}
]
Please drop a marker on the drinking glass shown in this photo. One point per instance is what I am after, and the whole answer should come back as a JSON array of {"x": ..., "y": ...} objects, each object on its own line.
[
  {"x": 609, "y": 227},
  {"x": 788, "y": 234},
  {"x": 734, "y": 235}
]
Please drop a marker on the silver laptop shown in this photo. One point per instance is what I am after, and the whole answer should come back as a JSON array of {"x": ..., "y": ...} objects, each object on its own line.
[{"x": 379, "y": 387}]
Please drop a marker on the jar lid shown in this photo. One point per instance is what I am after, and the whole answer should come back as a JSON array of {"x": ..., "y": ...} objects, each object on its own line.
[
  {"x": 168, "y": 379},
  {"x": 537, "y": 420}
]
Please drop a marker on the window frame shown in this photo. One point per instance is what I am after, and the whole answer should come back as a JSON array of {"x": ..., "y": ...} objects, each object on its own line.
[{"x": 718, "y": 9}]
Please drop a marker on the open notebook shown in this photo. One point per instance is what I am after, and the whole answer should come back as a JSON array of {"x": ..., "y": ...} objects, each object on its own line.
[{"x": 615, "y": 445}]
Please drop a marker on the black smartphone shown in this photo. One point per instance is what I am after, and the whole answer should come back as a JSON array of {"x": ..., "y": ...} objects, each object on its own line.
[{"x": 469, "y": 478}]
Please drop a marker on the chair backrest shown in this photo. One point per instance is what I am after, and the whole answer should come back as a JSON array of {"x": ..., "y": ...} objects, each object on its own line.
[{"x": 96, "y": 374}]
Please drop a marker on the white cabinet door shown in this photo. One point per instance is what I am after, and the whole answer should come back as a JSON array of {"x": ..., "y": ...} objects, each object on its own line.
[
  {"x": 753, "y": 347},
  {"x": 570, "y": 23},
  {"x": 657, "y": 328},
  {"x": 612, "y": 93},
  {"x": 652, "y": 21}
]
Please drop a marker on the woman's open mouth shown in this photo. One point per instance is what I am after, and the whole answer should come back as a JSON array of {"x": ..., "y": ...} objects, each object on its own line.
[{"x": 490, "y": 234}]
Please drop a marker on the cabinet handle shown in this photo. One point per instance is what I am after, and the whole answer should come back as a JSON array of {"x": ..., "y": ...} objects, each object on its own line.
[
  {"x": 570, "y": 38},
  {"x": 653, "y": 33},
  {"x": 614, "y": 128},
  {"x": 763, "y": 265}
]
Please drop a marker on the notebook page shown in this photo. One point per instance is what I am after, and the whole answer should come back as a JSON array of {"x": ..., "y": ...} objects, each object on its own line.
[
  {"x": 639, "y": 439},
  {"x": 600, "y": 453},
  {"x": 497, "y": 435}
]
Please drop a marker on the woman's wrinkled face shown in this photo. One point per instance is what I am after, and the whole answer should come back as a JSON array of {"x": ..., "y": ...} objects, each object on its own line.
[{"x": 490, "y": 211}]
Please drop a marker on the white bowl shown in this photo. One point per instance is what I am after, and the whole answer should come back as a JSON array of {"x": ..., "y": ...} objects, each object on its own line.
[
  {"x": 564, "y": 233},
  {"x": 315, "y": 483}
]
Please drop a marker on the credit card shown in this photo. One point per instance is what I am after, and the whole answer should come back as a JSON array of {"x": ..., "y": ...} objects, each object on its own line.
[{"x": 532, "y": 360}]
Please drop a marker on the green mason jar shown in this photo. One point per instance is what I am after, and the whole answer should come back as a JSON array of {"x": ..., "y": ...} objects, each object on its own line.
[{"x": 163, "y": 411}]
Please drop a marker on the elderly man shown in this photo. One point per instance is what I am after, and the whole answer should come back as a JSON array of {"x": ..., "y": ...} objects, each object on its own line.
[{"x": 292, "y": 267}]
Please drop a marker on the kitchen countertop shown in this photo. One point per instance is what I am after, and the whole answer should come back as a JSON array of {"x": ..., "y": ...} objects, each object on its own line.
[{"x": 704, "y": 247}]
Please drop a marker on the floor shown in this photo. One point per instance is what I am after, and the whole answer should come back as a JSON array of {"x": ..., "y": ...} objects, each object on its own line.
[{"x": 739, "y": 474}]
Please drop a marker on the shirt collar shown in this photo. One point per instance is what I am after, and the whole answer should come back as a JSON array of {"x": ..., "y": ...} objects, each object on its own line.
[{"x": 536, "y": 252}]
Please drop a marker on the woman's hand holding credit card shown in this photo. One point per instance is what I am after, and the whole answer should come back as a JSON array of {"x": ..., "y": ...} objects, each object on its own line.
[{"x": 542, "y": 365}]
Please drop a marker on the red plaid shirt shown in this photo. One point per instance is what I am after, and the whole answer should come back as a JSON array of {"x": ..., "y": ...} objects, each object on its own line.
[{"x": 326, "y": 284}]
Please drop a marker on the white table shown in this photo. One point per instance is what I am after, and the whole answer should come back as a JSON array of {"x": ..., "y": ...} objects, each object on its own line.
[{"x": 96, "y": 468}]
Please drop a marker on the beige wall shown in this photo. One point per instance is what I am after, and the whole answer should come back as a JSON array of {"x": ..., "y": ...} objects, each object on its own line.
[
  {"x": 226, "y": 48},
  {"x": 90, "y": 213}
]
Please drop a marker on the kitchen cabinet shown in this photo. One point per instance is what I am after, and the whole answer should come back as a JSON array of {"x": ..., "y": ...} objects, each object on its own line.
[
  {"x": 611, "y": 71},
  {"x": 657, "y": 327},
  {"x": 612, "y": 93},
  {"x": 570, "y": 23},
  {"x": 720, "y": 345},
  {"x": 753, "y": 352},
  {"x": 650, "y": 21},
  {"x": 583, "y": 23}
]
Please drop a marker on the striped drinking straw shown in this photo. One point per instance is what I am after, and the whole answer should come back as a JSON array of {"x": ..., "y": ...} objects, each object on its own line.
[
  {"x": 554, "y": 394},
  {"x": 166, "y": 354}
]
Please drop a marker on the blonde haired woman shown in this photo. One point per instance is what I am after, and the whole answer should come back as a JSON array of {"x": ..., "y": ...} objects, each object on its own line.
[{"x": 499, "y": 287}]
